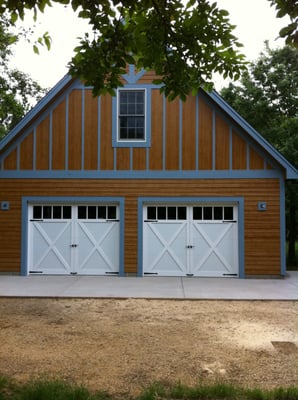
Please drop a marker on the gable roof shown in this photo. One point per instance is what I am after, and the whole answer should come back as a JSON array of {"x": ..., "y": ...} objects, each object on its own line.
[{"x": 290, "y": 170}]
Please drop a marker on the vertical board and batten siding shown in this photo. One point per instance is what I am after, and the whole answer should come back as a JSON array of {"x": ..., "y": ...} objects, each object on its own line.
[
  {"x": 76, "y": 135},
  {"x": 261, "y": 229}
]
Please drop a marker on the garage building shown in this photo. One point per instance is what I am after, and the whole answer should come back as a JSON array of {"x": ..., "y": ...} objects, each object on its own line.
[{"x": 136, "y": 185}]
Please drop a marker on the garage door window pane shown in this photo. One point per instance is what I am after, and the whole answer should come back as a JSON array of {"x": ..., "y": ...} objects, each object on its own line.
[
  {"x": 47, "y": 212},
  {"x": 57, "y": 212},
  {"x": 37, "y": 212},
  {"x": 151, "y": 212},
  {"x": 91, "y": 212},
  {"x": 161, "y": 213},
  {"x": 82, "y": 212},
  {"x": 181, "y": 213},
  {"x": 207, "y": 213},
  {"x": 228, "y": 213},
  {"x": 172, "y": 213},
  {"x": 111, "y": 212},
  {"x": 66, "y": 212},
  {"x": 218, "y": 213},
  {"x": 197, "y": 213},
  {"x": 102, "y": 212}
]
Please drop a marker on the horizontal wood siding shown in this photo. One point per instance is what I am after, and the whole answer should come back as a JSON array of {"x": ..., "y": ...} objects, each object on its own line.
[{"x": 262, "y": 232}]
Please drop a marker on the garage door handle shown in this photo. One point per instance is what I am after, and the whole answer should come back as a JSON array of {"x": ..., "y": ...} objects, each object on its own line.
[
  {"x": 73, "y": 245},
  {"x": 190, "y": 246}
]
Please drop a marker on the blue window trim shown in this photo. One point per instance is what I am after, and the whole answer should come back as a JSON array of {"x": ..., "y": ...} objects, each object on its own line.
[
  {"x": 131, "y": 143},
  {"x": 190, "y": 200},
  {"x": 68, "y": 200}
]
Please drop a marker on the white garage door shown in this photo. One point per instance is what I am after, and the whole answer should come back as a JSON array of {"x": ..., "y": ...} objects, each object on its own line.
[
  {"x": 196, "y": 240},
  {"x": 73, "y": 239}
]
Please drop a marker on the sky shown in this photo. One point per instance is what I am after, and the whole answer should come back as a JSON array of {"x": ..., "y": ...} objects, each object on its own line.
[{"x": 255, "y": 22}]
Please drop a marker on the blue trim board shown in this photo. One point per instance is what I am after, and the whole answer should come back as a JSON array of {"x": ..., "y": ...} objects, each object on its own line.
[
  {"x": 282, "y": 228},
  {"x": 70, "y": 200},
  {"x": 193, "y": 200},
  {"x": 146, "y": 174},
  {"x": 132, "y": 76}
]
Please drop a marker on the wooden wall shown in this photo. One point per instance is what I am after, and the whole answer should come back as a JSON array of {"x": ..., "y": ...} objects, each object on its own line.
[
  {"x": 262, "y": 229},
  {"x": 76, "y": 135}
]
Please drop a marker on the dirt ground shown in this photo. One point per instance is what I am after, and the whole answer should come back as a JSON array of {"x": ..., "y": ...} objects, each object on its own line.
[{"x": 123, "y": 345}]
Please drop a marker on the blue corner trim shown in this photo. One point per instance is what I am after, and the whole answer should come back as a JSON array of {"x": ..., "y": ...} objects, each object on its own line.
[
  {"x": 191, "y": 200},
  {"x": 26, "y": 200},
  {"x": 282, "y": 228}
]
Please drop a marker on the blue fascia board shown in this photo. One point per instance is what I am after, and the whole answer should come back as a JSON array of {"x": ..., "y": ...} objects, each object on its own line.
[
  {"x": 36, "y": 109},
  {"x": 291, "y": 171},
  {"x": 223, "y": 174}
]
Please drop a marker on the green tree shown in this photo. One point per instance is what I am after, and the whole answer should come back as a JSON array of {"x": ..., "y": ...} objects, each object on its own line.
[
  {"x": 185, "y": 43},
  {"x": 18, "y": 92},
  {"x": 289, "y": 8},
  {"x": 267, "y": 97}
]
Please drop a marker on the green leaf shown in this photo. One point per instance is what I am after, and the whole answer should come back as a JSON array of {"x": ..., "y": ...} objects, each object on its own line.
[
  {"x": 35, "y": 49},
  {"x": 14, "y": 17}
]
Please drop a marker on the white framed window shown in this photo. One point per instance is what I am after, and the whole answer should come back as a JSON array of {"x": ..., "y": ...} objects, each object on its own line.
[{"x": 131, "y": 115}]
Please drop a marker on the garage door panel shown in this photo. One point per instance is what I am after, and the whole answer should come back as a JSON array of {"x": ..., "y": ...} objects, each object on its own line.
[
  {"x": 98, "y": 252},
  {"x": 204, "y": 244},
  {"x": 215, "y": 251},
  {"x": 160, "y": 248},
  {"x": 75, "y": 245},
  {"x": 54, "y": 263},
  {"x": 51, "y": 247}
]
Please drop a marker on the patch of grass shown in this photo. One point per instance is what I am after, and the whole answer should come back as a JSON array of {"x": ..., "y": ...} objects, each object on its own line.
[
  {"x": 48, "y": 390},
  {"x": 60, "y": 390}
]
